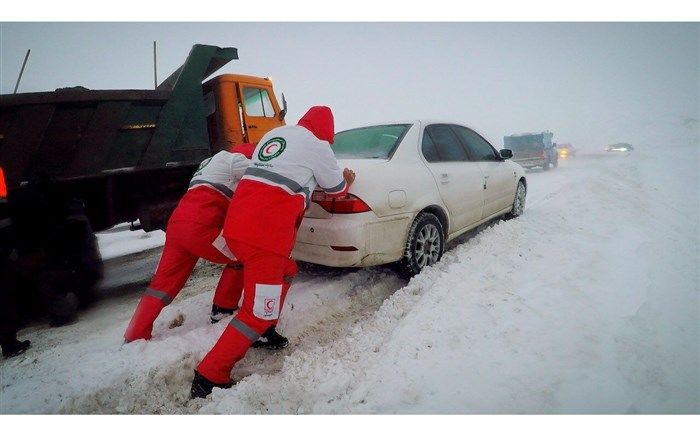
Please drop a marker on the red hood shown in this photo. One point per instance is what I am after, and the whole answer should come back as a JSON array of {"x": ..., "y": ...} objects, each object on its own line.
[
  {"x": 245, "y": 149},
  {"x": 319, "y": 120}
]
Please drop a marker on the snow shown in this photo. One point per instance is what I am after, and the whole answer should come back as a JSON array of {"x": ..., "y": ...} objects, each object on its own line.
[
  {"x": 588, "y": 303},
  {"x": 119, "y": 241}
]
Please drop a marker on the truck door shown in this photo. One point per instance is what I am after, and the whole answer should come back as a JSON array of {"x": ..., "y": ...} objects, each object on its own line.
[
  {"x": 259, "y": 111},
  {"x": 459, "y": 180},
  {"x": 499, "y": 178}
]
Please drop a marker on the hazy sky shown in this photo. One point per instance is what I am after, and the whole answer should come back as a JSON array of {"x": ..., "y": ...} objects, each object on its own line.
[{"x": 590, "y": 84}]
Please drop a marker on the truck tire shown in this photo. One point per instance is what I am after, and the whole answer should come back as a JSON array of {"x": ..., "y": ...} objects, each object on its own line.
[
  {"x": 81, "y": 253},
  {"x": 424, "y": 245}
]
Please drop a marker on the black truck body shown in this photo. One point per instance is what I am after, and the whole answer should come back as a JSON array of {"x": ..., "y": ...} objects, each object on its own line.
[{"x": 126, "y": 154}]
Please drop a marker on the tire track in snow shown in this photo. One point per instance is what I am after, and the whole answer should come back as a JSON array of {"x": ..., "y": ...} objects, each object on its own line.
[{"x": 164, "y": 387}]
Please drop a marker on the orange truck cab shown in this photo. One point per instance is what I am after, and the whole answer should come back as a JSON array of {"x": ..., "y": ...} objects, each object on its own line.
[{"x": 240, "y": 109}]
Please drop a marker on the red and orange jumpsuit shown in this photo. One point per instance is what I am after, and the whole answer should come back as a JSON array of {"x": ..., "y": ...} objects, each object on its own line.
[
  {"x": 261, "y": 224},
  {"x": 193, "y": 232}
]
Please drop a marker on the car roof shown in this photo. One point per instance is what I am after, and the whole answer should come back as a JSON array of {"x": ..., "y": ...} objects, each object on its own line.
[{"x": 423, "y": 122}]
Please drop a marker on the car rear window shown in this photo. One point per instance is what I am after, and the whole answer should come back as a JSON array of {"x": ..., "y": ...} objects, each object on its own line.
[{"x": 372, "y": 142}]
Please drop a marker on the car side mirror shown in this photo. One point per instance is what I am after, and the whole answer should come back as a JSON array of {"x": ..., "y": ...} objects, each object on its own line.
[{"x": 506, "y": 153}]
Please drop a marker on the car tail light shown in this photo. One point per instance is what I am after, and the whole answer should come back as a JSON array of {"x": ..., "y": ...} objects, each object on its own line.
[
  {"x": 542, "y": 155},
  {"x": 347, "y": 204}
]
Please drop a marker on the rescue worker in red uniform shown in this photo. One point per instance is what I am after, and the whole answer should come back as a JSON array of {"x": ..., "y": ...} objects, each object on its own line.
[
  {"x": 289, "y": 163},
  {"x": 193, "y": 232}
]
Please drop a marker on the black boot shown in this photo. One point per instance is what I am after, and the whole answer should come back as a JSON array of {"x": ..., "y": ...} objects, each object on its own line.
[
  {"x": 271, "y": 339},
  {"x": 15, "y": 347},
  {"x": 202, "y": 387},
  {"x": 218, "y": 313}
]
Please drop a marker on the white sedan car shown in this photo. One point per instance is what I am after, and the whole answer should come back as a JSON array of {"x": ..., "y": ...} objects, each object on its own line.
[{"x": 419, "y": 184}]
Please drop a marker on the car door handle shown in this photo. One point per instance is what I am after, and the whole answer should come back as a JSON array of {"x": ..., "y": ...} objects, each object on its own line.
[
  {"x": 444, "y": 178},
  {"x": 252, "y": 126}
]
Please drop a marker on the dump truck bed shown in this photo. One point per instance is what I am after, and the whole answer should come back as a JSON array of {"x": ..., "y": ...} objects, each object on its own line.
[
  {"x": 77, "y": 134},
  {"x": 127, "y": 154}
]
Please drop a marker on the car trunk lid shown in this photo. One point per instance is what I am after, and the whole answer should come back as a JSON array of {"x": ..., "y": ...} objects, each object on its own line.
[{"x": 360, "y": 167}]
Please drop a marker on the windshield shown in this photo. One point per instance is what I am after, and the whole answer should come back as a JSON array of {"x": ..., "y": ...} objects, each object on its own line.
[{"x": 373, "y": 142}]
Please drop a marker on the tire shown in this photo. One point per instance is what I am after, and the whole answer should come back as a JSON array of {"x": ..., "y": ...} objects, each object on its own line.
[
  {"x": 545, "y": 167},
  {"x": 426, "y": 233},
  {"x": 518, "y": 201}
]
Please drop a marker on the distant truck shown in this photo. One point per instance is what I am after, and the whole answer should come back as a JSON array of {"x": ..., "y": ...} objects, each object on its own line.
[
  {"x": 129, "y": 154},
  {"x": 533, "y": 149}
]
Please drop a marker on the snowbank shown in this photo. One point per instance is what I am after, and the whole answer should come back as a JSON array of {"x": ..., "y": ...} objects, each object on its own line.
[{"x": 119, "y": 241}]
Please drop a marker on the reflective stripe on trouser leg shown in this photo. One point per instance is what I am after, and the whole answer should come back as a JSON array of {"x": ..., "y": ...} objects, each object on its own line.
[
  {"x": 163, "y": 296},
  {"x": 229, "y": 349},
  {"x": 141, "y": 324},
  {"x": 230, "y": 287},
  {"x": 174, "y": 267},
  {"x": 263, "y": 271}
]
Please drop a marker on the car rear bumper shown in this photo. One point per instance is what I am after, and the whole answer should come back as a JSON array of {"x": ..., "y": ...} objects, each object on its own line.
[{"x": 352, "y": 240}]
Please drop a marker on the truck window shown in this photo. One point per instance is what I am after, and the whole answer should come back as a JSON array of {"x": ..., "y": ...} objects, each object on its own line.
[
  {"x": 479, "y": 149},
  {"x": 257, "y": 102},
  {"x": 446, "y": 144}
]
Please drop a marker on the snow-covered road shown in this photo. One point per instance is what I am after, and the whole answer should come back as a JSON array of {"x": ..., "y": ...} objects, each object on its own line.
[{"x": 588, "y": 303}]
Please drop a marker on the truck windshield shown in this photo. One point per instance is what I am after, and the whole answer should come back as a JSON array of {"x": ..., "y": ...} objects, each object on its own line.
[{"x": 373, "y": 142}]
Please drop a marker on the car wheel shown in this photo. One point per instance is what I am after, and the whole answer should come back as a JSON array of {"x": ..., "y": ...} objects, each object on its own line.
[
  {"x": 424, "y": 245},
  {"x": 518, "y": 201},
  {"x": 545, "y": 167}
]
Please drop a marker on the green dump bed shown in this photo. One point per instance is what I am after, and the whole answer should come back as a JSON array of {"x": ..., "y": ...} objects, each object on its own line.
[{"x": 126, "y": 153}]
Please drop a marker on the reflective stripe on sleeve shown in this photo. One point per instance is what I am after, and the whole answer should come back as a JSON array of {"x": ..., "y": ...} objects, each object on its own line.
[
  {"x": 337, "y": 189},
  {"x": 159, "y": 295},
  {"x": 244, "y": 329},
  {"x": 223, "y": 189}
]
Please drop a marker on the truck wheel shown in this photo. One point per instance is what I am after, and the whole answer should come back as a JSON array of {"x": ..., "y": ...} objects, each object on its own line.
[
  {"x": 518, "y": 201},
  {"x": 82, "y": 254},
  {"x": 424, "y": 245}
]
